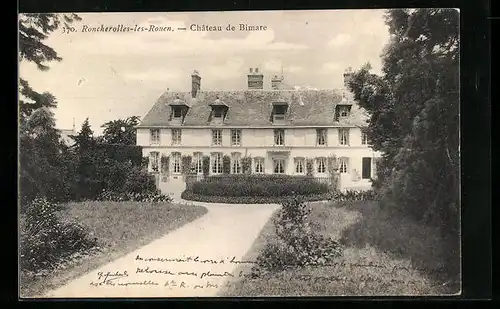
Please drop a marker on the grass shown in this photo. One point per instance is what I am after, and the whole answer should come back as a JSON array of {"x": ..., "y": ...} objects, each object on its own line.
[
  {"x": 120, "y": 228},
  {"x": 383, "y": 254}
]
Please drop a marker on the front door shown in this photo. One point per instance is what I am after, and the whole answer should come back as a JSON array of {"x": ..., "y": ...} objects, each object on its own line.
[{"x": 367, "y": 168}]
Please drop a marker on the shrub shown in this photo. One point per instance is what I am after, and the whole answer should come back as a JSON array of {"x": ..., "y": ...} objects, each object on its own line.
[
  {"x": 189, "y": 195},
  {"x": 297, "y": 244},
  {"x": 258, "y": 185},
  {"x": 139, "y": 181},
  {"x": 352, "y": 195},
  {"x": 145, "y": 163},
  {"x": 152, "y": 197},
  {"x": 45, "y": 240}
]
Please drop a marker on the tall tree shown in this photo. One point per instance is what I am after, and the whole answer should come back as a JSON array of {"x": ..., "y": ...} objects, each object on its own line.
[
  {"x": 34, "y": 29},
  {"x": 121, "y": 131},
  {"x": 414, "y": 109},
  {"x": 43, "y": 168}
]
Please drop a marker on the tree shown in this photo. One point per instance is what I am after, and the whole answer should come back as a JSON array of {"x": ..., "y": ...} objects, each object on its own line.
[
  {"x": 121, "y": 131},
  {"x": 414, "y": 109},
  {"x": 34, "y": 28}
]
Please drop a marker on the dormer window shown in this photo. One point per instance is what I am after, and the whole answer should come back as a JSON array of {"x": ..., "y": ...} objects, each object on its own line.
[
  {"x": 279, "y": 111},
  {"x": 342, "y": 111},
  {"x": 179, "y": 110},
  {"x": 219, "y": 111}
]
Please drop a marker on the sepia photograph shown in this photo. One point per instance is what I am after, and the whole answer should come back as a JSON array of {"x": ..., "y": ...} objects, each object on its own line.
[{"x": 287, "y": 153}]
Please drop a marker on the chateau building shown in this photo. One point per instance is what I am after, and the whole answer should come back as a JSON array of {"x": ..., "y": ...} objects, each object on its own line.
[{"x": 284, "y": 130}]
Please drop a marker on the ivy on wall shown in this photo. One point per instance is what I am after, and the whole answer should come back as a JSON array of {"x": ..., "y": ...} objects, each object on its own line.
[
  {"x": 246, "y": 165},
  {"x": 186, "y": 164},
  {"x": 206, "y": 165},
  {"x": 226, "y": 164},
  {"x": 165, "y": 164},
  {"x": 309, "y": 166}
]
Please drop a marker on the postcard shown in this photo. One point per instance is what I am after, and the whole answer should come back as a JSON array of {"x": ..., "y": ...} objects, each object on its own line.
[{"x": 239, "y": 154}]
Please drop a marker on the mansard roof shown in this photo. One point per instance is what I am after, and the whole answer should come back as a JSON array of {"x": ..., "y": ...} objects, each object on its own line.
[{"x": 253, "y": 108}]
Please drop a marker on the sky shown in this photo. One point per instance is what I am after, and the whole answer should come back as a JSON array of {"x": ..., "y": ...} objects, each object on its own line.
[{"x": 110, "y": 75}]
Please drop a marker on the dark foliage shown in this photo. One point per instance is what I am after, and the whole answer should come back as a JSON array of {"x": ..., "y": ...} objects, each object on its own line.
[
  {"x": 414, "y": 109},
  {"x": 298, "y": 245},
  {"x": 190, "y": 196},
  {"x": 236, "y": 185},
  {"x": 45, "y": 239}
]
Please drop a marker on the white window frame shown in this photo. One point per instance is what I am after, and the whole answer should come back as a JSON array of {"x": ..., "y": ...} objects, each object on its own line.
[
  {"x": 343, "y": 165},
  {"x": 216, "y": 137},
  {"x": 235, "y": 137},
  {"x": 321, "y": 137},
  {"x": 344, "y": 137},
  {"x": 321, "y": 165},
  {"x": 155, "y": 161},
  {"x": 279, "y": 137},
  {"x": 236, "y": 163},
  {"x": 279, "y": 163},
  {"x": 176, "y": 163},
  {"x": 259, "y": 165},
  {"x": 198, "y": 164},
  {"x": 154, "y": 136},
  {"x": 216, "y": 163},
  {"x": 176, "y": 136},
  {"x": 300, "y": 166}
]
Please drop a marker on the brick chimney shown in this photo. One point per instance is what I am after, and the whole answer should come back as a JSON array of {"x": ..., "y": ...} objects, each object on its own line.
[
  {"x": 255, "y": 79},
  {"x": 276, "y": 82},
  {"x": 347, "y": 76},
  {"x": 195, "y": 83}
]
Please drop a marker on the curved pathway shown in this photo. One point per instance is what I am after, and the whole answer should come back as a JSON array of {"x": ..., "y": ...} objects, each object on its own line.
[{"x": 206, "y": 251}]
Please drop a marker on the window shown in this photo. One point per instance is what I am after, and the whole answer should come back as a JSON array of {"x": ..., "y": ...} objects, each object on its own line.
[
  {"x": 344, "y": 136},
  {"x": 299, "y": 165},
  {"x": 343, "y": 165},
  {"x": 279, "y": 166},
  {"x": 366, "y": 171},
  {"x": 218, "y": 113},
  {"x": 235, "y": 137},
  {"x": 155, "y": 160},
  {"x": 279, "y": 112},
  {"x": 198, "y": 163},
  {"x": 344, "y": 111},
  {"x": 321, "y": 137},
  {"x": 259, "y": 165},
  {"x": 177, "y": 112},
  {"x": 321, "y": 165},
  {"x": 364, "y": 137},
  {"x": 155, "y": 136},
  {"x": 217, "y": 163},
  {"x": 217, "y": 137},
  {"x": 279, "y": 137},
  {"x": 236, "y": 163},
  {"x": 176, "y": 136},
  {"x": 176, "y": 158}
]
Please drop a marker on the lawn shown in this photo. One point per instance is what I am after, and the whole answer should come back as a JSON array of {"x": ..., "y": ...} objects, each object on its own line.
[
  {"x": 120, "y": 227},
  {"x": 383, "y": 254}
]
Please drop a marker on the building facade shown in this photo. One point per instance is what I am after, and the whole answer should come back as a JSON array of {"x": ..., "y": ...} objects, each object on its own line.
[{"x": 282, "y": 131}]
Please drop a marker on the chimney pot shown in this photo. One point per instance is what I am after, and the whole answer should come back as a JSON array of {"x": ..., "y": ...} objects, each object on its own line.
[
  {"x": 251, "y": 70},
  {"x": 256, "y": 70}
]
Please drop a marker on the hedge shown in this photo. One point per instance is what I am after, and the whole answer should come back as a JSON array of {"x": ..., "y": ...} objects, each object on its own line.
[
  {"x": 258, "y": 185},
  {"x": 190, "y": 196}
]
